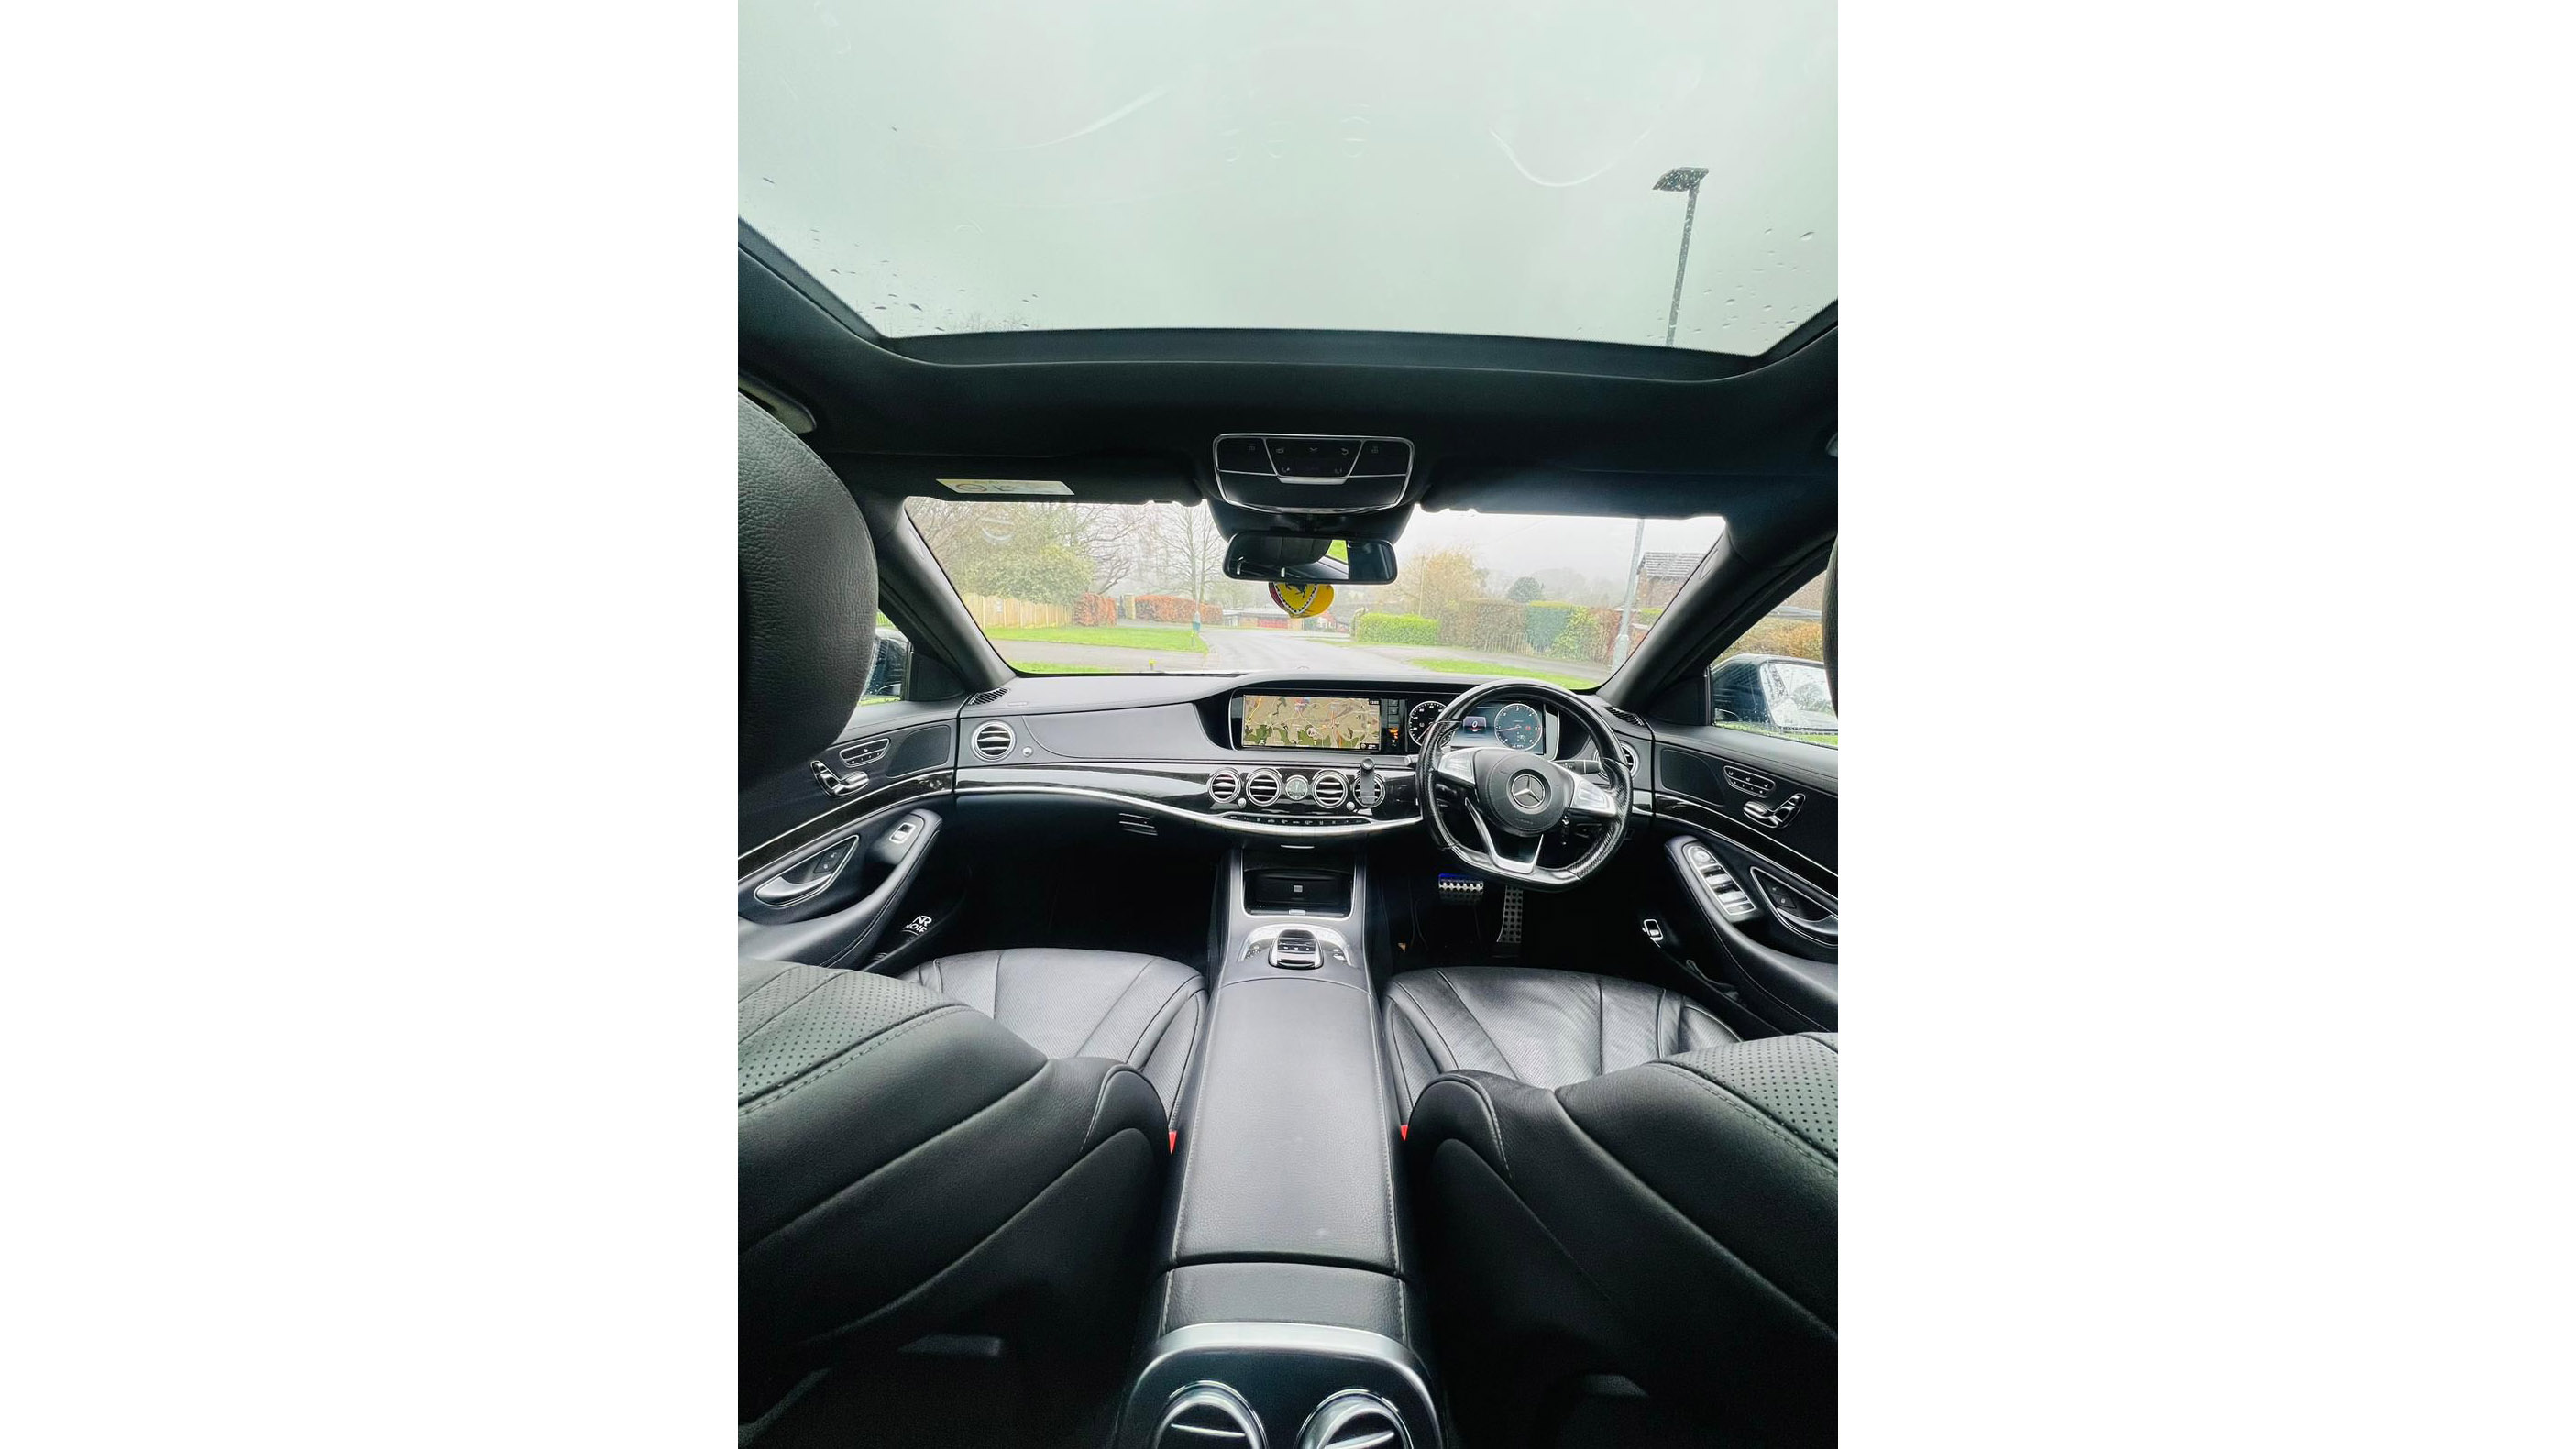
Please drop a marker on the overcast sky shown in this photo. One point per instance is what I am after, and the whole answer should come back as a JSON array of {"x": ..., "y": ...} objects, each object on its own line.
[
  {"x": 1510, "y": 545},
  {"x": 1432, "y": 166}
]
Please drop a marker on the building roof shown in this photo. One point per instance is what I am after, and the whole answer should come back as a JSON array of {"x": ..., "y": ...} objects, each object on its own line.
[{"x": 1667, "y": 565}]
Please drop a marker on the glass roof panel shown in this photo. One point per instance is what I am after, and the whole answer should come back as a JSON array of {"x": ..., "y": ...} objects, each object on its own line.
[{"x": 1523, "y": 170}]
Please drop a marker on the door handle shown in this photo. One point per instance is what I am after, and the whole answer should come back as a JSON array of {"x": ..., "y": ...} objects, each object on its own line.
[
  {"x": 1774, "y": 816},
  {"x": 807, "y": 878}
]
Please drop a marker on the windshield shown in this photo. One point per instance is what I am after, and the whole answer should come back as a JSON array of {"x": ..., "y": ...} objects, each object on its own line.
[
  {"x": 1657, "y": 173},
  {"x": 1140, "y": 588}
]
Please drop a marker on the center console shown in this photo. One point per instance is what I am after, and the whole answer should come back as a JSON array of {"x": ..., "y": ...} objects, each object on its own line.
[{"x": 1282, "y": 1315}]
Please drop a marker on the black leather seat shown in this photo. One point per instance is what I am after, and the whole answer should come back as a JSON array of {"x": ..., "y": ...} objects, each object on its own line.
[
  {"x": 1608, "y": 1181},
  {"x": 1140, "y": 1010},
  {"x": 1546, "y": 1028},
  {"x": 907, "y": 1164}
]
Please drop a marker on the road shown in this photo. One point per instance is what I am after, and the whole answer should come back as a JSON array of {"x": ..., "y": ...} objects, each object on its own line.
[{"x": 1267, "y": 651}]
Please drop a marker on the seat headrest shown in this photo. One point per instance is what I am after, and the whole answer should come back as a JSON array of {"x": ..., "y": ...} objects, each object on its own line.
[{"x": 809, "y": 599}]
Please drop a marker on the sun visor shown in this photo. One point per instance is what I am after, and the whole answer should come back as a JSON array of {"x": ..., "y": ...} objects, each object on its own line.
[{"x": 1110, "y": 479}]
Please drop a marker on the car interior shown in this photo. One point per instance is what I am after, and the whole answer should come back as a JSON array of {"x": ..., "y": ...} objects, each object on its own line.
[
  {"x": 1295, "y": 1046},
  {"x": 1108, "y": 1078}
]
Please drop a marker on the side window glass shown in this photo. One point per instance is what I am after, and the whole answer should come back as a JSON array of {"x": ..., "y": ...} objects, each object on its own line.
[{"x": 1772, "y": 678}]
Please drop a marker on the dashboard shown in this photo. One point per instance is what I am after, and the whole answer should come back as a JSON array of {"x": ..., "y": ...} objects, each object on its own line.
[{"x": 1276, "y": 755}]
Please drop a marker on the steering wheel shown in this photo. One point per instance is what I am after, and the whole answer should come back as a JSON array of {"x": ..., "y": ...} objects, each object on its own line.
[{"x": 1515, "y": 795}]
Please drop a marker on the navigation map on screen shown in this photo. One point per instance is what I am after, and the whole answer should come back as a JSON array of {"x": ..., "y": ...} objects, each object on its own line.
[{"x": 1299, "y": 721}]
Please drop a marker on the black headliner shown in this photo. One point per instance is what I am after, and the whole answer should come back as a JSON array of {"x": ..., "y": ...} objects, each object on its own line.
[{"x": 1498, "y": 423}]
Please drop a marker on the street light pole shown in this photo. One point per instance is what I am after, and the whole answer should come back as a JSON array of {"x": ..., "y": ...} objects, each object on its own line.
[
  {"x": 1686, "y": 179},
  {"x": 1683, "y": 179},
  {"x": 1628, "y": 605}
]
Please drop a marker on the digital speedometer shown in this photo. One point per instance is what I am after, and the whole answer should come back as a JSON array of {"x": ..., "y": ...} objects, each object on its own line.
[{"x": 1519, "y": 726}]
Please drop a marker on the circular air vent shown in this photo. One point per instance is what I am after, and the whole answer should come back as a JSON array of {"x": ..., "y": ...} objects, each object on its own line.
[
  {"x": 1261, "y": 787},
  {"x": 1331, "y": 789},
  {"x": 1628, "y": 758},
  {"x": 1208, "y": 1415},
  {"x": 993, "y": 740},
  {"x": 1354, "y": 1419},
  {"x": 1224, "y": 786}
]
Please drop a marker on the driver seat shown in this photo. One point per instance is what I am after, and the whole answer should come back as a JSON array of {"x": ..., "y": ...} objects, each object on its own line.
[{"x": 1610, "y": 1181}]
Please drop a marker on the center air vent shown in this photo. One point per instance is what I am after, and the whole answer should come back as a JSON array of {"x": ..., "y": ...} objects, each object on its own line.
[
  {"x": 1261, "y": 787},
  {"x": 1330, "y": 789},
  {"x": 1224, "y": 786},
  {"x": 1208, "y": 1416},
  {"x": 1354, "y": 1419},
  {"x": 993, "y": 740}
]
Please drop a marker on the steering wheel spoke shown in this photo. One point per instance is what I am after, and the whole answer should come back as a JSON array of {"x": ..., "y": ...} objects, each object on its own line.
[{"x": 1495, "y": 853}]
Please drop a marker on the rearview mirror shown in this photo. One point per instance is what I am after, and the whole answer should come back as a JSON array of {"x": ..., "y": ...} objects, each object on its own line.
[{"x": 1306, "y": 558}]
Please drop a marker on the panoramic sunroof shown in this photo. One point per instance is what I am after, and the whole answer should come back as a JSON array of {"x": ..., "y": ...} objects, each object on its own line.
[{"x": 1527, "y": 171}]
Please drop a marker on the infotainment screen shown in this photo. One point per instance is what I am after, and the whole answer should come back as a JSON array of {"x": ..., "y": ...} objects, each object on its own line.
[{"x": 1316, "y": 722}]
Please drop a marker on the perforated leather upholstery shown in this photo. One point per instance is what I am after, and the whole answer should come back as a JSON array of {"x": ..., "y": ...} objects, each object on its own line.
[
  {"x": 1137, "y": 1009},
  {"x": 1606, "y": 1180},
  {"x": 906, "y": 1162}
]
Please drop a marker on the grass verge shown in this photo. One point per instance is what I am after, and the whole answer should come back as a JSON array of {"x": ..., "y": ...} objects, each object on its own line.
[{"x": 1158, "y": 637}]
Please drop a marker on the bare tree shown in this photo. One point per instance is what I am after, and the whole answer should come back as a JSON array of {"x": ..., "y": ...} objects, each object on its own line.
[
  {"x": 1111, "y": 535},
  {"x": 1188, "y": 553}
]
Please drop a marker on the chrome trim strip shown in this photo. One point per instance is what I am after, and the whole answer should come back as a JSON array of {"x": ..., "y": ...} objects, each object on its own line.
[{"x": 1221, "y": 822}]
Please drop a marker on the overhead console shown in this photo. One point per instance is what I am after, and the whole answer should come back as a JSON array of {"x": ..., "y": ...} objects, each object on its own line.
[{"x": 1311, "y": 473}]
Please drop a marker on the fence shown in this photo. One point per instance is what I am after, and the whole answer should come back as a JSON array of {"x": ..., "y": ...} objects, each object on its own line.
[{"x": 993, "y": 613}]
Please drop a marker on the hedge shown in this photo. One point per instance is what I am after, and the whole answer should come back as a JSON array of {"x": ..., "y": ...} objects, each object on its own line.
[
  {"x": 1586, "y": 635},
  {"x": 1165, "y": 609},
  {"x": 1799, "y": 638},
  {"x": 1483, "y": 624},
  {"x": 1095, "y": 609},
  {"x": 1395, "y": 629},
  {"x": 1211, "y": 614},
  {"x": 1542, "y": 621}
]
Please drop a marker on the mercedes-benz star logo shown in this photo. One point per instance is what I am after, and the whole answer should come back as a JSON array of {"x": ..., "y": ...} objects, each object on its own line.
[{"x": 1528, "y": 791}]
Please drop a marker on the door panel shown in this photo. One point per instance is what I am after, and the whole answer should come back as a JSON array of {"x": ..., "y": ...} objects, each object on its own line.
[
  {"x": 828, "y": 905},
  {"x": 1749, "y": 846},
  {"x": 920, "y": 740}
]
